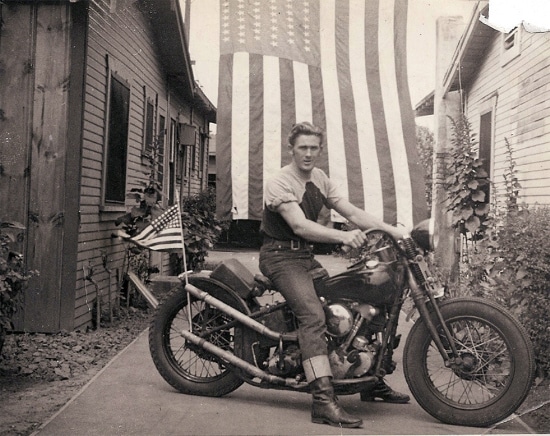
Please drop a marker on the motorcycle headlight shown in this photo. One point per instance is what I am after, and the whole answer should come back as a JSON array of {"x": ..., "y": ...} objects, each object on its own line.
[{"x": 425, "y": 234}]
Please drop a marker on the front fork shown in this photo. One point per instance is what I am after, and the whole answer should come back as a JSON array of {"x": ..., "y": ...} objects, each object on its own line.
[{"x": 431, "y": 318}]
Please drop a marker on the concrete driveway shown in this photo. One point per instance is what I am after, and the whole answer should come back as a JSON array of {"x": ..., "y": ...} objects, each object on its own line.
[{"x": 129, "y": 397}]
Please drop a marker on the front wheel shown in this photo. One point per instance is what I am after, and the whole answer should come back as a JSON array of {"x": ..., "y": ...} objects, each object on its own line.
[
  {"x": 492, "y": 376},
  {"x": 186, "y": 367}
]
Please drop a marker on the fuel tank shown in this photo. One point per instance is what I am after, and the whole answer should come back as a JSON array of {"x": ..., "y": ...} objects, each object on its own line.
[{"x": 371, "y": 282}]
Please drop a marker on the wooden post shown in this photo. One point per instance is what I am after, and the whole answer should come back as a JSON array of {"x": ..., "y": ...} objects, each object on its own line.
[{"x": 449, "y": 30}]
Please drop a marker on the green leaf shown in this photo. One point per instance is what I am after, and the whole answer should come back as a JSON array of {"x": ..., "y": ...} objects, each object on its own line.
[
  {"x": 472, "y": 224},
  {"x": 466, "y": 213},
  {"x": 478, "y": 196},
  {"x": 472, "y": 184},
  {"x": 482, "y": 173},
  {"x": 482, "y": 209}
]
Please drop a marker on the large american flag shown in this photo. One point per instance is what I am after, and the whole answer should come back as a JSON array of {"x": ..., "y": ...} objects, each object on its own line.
[{"x": 340, "y": 64}]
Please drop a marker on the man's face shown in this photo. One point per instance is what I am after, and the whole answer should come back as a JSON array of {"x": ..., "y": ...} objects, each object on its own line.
[{"x": 305, "y": 151}]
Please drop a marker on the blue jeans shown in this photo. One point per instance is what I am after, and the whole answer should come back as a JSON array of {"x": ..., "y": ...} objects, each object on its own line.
[{"x": 289, "y": 271}]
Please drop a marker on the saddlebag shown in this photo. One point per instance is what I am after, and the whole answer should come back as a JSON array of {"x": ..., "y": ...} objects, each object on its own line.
[{"x": 234, "y": 274}]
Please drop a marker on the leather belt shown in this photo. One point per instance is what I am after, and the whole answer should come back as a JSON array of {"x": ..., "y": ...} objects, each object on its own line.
[{"x": 293, "y": 244}]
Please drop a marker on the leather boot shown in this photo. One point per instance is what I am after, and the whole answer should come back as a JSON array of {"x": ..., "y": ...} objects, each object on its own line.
[
  {"x": 325, "y": 408},
  {"x": 385, "y": 393}
]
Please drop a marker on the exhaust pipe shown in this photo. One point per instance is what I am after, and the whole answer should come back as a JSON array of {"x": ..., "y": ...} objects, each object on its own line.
[
  {"x": 239, "y": 316},
  {"x": 240, "y": 363},
  {"x": 260, "y": 328}
]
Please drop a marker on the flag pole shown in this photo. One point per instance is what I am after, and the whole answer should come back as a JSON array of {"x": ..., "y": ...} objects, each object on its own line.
[
  {"x": 183, "y": 246},
  {"x": 185, "y": 271}
]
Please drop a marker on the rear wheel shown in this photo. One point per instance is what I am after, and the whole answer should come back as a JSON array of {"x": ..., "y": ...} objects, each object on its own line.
[
  {"x": 493, "y": 375},
  {"x": 186, "y": 367}
]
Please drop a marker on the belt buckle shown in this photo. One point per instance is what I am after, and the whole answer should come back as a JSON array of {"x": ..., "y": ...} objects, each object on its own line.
[{"x": 294, "y": 245}]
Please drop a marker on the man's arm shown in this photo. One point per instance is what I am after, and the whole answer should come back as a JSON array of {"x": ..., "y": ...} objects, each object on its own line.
[
  {"x": 315, "y": 232},
  {"x": 364, "y": 220}
]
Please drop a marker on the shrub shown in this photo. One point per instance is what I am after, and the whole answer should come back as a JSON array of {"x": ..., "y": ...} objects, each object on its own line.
[
  {"x": 201, "y": 228},
  {"x": 13, "y": 276},
  {"x": 513, "y": 268},
  {"x": 519, "y": 272},
  {"x": 507, "y": 246}
]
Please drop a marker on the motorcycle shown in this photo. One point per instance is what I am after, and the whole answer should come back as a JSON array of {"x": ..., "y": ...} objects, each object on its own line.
[{"x": 467, "y": 361}]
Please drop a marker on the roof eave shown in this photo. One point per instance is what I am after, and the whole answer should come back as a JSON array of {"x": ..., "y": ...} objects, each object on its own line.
[
  {"x": 425, "y": 106},
  {"x": 168, "y": 28},
  {"x": 469, "y": 52}
]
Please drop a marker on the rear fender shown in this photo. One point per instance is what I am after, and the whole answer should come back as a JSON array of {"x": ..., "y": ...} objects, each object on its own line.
[{"x": 244, "y": 336}]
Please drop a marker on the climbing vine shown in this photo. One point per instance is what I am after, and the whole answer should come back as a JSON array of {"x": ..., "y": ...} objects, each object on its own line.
[{"x": 467, "y": 183}]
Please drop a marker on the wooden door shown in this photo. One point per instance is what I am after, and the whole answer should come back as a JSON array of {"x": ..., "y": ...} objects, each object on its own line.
[{"x": 35, "y": 50}]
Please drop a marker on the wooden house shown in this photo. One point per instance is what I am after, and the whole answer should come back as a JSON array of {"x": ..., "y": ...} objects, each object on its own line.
[
  {"x": 86, "y": 88},
  {"x": 501, "y": 83}
]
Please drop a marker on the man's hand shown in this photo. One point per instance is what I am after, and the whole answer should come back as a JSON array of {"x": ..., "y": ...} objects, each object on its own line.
[{"x": 353, "y": 238}]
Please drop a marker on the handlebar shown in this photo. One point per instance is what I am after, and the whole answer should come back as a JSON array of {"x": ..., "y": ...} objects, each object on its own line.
[{"x": 347, "y": 248}]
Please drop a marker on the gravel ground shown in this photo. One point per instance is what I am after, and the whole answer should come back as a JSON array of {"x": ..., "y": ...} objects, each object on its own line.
[{"x": 39, "y": 373}]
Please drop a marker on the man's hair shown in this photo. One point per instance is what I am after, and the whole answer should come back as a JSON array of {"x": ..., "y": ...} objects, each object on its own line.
[{"x": 304, "y": 128}]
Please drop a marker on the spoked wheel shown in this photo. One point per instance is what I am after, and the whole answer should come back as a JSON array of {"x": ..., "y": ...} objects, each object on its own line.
[
  {"x": 491, "y": 377},
  {"x": 187, "y": 367}
]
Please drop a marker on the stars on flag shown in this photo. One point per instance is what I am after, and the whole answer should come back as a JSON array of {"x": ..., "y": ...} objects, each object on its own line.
[{"x": 280, "y": 26}]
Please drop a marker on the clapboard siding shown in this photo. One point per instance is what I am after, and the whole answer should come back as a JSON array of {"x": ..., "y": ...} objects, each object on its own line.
[
  {"x": 123, "y": 41},
  {"x": 522, "y": 90},
  {"x": 45, "y": 47}
]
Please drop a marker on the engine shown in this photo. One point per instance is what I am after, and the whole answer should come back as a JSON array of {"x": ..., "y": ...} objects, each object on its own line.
[
  {"x": 353, "y": 344},
  {"x": 352, "y": 339}
]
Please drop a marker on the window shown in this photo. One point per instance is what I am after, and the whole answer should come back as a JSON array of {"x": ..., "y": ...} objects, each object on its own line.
[
  {"x": 202, "y": 153},
  {"x": 149, "y": 127},
  {"x": 160, "y": 149},
  {"x": 186, "y": 139},
  {"x": 511, "y": 46},
  {"x": 485, "y": 146},
  {"x": 172, "y": 163},
  {"x": 117, "y": 143}
]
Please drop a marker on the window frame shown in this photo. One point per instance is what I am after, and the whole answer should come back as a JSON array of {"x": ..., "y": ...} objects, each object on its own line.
[
  {"x": 511, "y": 45},
  {"x": 488, "y": 106},
  {"x": 161, "y": 165},
  {"x": 150, "y": 116},
  {"x": 112, "y": 203}
]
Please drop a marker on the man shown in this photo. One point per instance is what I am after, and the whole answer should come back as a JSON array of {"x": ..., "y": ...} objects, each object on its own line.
[{"x": 295, "y": 200}]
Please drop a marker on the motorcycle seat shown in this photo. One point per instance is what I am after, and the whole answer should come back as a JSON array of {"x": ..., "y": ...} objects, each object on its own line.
[{"x": 263, "y": 283}]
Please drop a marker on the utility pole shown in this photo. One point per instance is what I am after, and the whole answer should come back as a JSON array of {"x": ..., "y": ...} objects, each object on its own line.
[
  {"x": 446, "y": 104},
  {"x": 187, "y": 18}
]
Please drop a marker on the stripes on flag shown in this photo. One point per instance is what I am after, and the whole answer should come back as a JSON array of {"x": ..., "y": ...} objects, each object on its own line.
[
  {"x": 164, "y": 233},
  {"x": 340, "y": 64}
]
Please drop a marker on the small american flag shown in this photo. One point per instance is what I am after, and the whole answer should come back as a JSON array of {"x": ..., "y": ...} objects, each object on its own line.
[
  {"x": 340, "y": 64},
  {"x": 164, "y": 233}
]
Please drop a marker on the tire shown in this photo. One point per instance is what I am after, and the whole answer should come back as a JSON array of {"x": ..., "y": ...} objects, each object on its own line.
[
  {"x": 186, "y": 367},
  {"x": 497, "y": 373}
]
